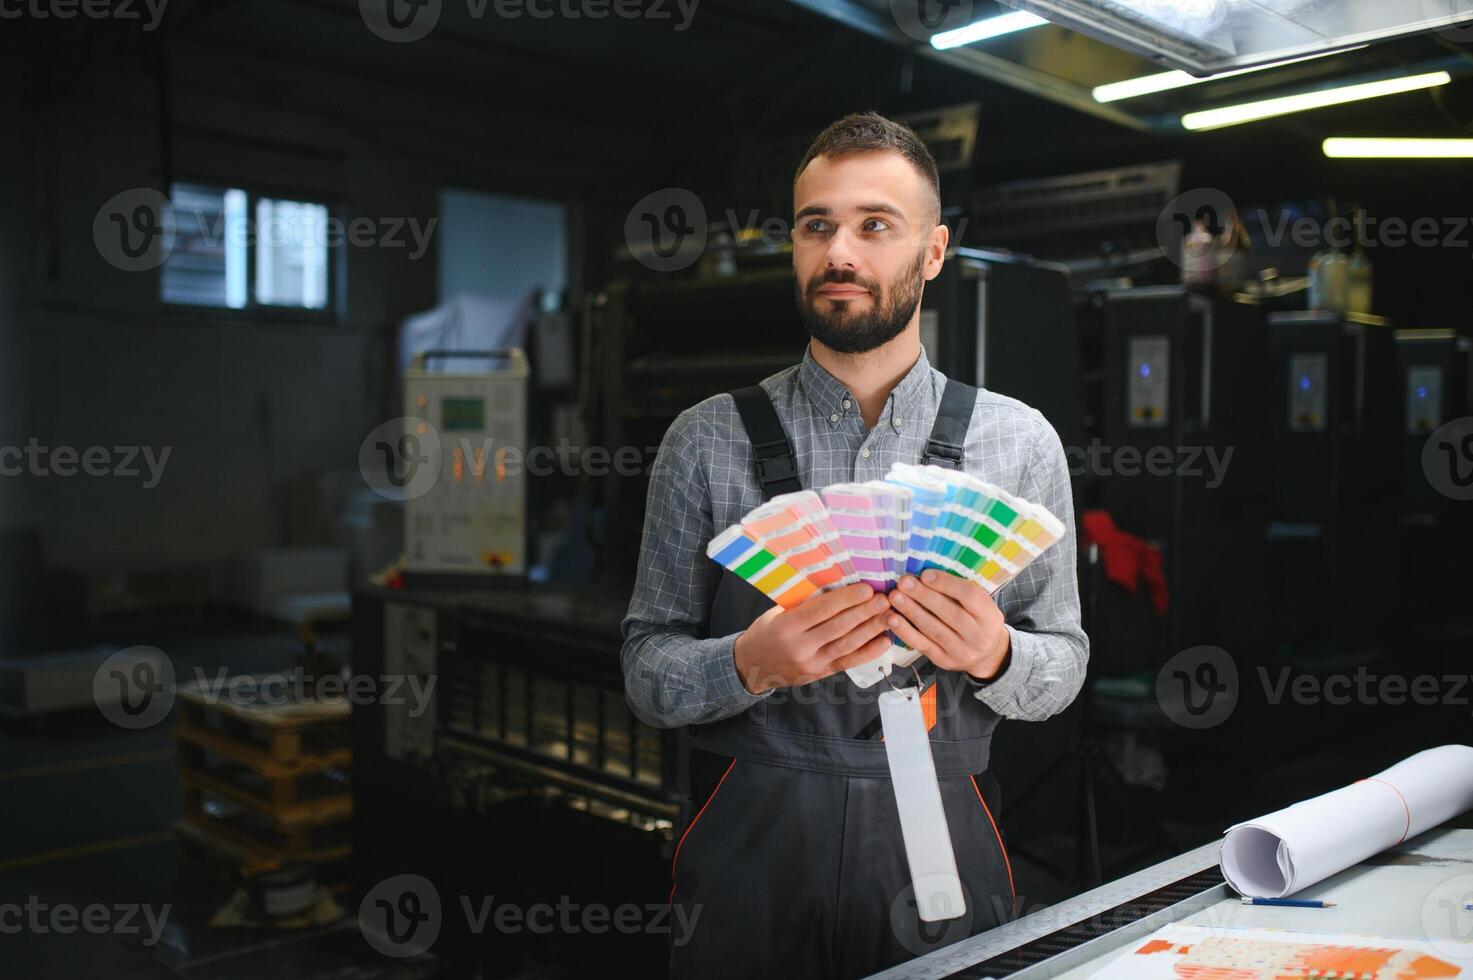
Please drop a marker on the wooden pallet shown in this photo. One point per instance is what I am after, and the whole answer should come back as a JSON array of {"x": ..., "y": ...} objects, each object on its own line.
[
  {"x": 268, "y": 762},
  {"x": 278, "y": 713},
  {"x": 281, "y": 757}
]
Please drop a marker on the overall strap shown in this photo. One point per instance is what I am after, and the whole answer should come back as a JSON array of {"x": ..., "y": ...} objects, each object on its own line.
[
  {"x": 953, "y": 418},
  {"x": 777, "y": 470}
]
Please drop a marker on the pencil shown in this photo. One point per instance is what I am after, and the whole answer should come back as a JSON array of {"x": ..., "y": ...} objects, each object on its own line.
[{"x": 1292, "y": 903}]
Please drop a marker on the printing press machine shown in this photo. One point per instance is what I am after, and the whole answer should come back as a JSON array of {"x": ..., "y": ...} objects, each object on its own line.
[
  {"x": 528, "y": 778},
  {"x": 529, "y": 686}
]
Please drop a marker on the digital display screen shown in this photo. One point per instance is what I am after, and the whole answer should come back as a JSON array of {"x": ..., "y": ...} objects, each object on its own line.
[{"x": 463, "y": 414}]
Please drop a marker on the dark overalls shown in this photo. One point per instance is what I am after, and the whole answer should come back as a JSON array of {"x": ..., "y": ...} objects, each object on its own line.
[{"x": 790, "y": 861}]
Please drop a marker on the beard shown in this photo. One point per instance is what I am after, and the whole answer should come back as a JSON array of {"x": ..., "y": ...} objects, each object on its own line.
[{"x": 847, "y": 332}]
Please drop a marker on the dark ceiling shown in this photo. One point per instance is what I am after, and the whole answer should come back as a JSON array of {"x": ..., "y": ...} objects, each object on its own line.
[{"x": 743, "y": 68}]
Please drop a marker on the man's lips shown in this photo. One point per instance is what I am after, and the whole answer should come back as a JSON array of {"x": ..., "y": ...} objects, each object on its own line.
[{"x": 842, "y": 291}]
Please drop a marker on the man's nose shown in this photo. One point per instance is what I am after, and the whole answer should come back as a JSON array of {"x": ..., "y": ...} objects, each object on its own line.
[{"x": 842, "y": 253}]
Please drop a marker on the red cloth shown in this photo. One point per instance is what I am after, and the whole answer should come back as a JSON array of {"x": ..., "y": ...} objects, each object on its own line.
[{"x": 1128, "y": 559}]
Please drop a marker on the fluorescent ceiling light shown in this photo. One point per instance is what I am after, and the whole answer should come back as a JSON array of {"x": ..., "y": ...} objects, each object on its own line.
[
  {"x": 1206, "y": 37},
  {"x": 1167, "y": 80},
  {"x": 1267, "y": 109},
  {"x": 1345, "y": 148},
  {"x": 1019, "y": 20}
]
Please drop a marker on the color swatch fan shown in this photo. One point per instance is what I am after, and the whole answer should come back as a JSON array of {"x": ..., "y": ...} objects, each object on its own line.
[
  {"x": 873, "y": 521},
  {"x": 788, "y": 548},
  {"x": 918, "y": 517},
  {"x": 979, "y": 531}
]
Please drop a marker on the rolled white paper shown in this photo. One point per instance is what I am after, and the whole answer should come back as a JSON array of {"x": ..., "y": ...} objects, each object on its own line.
[{"x": 1277, "y": 855}]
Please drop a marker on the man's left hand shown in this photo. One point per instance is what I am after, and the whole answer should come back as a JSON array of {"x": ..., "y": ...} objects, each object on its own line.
[{"x": 953, "y": 621}]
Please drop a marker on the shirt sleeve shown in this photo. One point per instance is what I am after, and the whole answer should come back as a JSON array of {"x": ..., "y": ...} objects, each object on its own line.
[
  {"x": 1048, "y": 648},
  {"x": 674, "y": 674}
]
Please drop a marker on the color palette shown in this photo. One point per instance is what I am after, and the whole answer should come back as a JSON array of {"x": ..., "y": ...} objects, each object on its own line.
[
  {"x": 873, "y": 520},
  {"x": 744, "y": 555},
  {"x": 917, "y": 518},
  {"x": 797, "y": 528},
  {"x": 984, "y": 533}
]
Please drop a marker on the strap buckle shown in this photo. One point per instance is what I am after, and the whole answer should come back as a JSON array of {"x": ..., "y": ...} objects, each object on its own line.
[
  {"x": 776, "y": 467},
  {"x": 944, "y": 455}
]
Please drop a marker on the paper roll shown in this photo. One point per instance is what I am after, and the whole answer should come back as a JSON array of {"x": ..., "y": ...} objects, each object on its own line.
[{"x": 1277, "y": 855}]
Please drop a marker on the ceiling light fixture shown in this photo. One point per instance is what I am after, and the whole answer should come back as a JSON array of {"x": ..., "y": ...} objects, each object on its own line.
[
  {"x": 983, "y": 29},
  {"x": 1369, "y": 148},
  {"x": 1246, "y": 112},
  {"x": 1165, "y": 81}
]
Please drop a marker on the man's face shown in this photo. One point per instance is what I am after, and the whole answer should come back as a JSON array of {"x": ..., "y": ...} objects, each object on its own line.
[{"x": 864, "y": 243}]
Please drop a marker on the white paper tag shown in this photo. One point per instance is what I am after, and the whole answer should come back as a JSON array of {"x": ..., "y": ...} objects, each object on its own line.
[{"x": 938, "y": 887}]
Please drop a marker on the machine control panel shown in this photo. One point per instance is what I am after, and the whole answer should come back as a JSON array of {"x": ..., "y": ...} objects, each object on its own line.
[
  {"x": 1149, "y": 381},
  {"x": 1308, "y": 392}
]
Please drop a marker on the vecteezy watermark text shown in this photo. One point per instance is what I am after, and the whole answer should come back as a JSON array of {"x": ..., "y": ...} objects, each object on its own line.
[
  {"x": 40, "y": 918},
  {"x": 37, "y": 460},
  {"x": 1366, "y": 688},
  {"x": 150, "y": 12},
  {"x": 405, "y": 458},
  {"x": 1369, "y": 232},
  {"x": 1100, "y": 460},
  {"x": 403, "y": 21},
  {"x": 136, "y": 688},
  {"x": 137, "y": 229},
  {"x": 668, "y": 230},
  {"x": 1199, "y": 688},
  {"x": 402, "y": 916},
  {"x": 296, "y": 686}
]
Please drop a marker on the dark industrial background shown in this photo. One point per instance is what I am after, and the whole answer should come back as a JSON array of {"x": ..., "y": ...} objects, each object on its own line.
[{"x": 1331, "y": 548}]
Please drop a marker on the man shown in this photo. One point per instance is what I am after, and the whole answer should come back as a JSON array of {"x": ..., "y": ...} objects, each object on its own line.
[{"x": 792, "y": 864}]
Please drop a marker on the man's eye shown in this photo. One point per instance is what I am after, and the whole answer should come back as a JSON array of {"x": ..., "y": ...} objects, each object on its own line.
[
  {"x": 816, "y": 226},
  {"x": 876, "y": 224}
]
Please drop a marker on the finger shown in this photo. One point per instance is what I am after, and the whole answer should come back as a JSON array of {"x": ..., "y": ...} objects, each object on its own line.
[
  {"x": 911, "y": 636},
  {"x": 940, "y": 603},
  {"x": 772, "y": 613},
  {"x": 923, "y": 619},
  {"x": 854, "y": 639},
  {"x": 872, "y": 650},
  {"x": 964, "y": 590},
  {"x": 838, "y": 625},
  {"x": 951, "y": 616},
  {"x": 817, "y": 608}
]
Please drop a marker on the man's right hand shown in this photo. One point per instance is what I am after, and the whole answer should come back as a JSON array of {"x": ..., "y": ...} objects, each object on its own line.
[{"x": 822, "y": 635}]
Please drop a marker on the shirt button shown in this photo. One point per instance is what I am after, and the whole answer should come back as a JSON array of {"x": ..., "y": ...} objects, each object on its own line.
[
  {"x": 897, "y": 422},
  {"x": 864, "y": 453},
  {"x": 847, "y": 403},
  {"x": 834, "y": 417}
]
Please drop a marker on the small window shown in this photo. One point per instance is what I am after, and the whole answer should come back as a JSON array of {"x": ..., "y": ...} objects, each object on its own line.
[
  {"x": 291, "y": 254},
  {"x": 239, "y": 251}
]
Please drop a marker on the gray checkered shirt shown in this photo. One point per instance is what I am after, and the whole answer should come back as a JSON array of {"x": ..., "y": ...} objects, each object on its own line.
[{"x": 704, "y": 480}]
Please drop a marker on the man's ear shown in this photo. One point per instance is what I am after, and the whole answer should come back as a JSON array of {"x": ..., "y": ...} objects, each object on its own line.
[{"x": 936, "y": 244}]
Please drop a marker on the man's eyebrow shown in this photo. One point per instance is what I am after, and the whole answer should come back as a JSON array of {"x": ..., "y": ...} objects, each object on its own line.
[{"x": 878, "y": 207}]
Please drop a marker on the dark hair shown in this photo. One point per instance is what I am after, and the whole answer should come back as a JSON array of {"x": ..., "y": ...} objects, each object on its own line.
[{"x": 867, "y": 132}]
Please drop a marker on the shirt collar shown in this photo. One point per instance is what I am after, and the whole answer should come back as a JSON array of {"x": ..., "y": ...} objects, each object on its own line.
[{"x": 828, "y": 394}]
